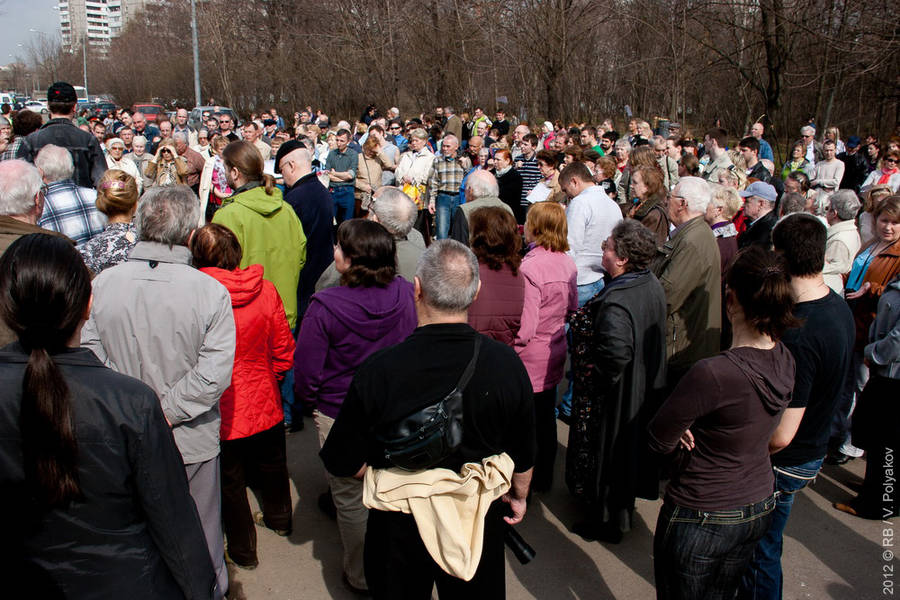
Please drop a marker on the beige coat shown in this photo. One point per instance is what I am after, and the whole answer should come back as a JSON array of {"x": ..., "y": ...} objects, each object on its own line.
[
  {"x": 841, "y": 247},
  {"x": 449, "y": 508}
]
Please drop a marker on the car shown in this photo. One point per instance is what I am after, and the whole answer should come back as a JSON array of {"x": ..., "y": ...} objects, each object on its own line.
[
  {"x": 151, "y": 111},
  {"x": 105, "y": 108},
  {"x": 37, "y": 106},
  {"x": 195, "y": 119}
]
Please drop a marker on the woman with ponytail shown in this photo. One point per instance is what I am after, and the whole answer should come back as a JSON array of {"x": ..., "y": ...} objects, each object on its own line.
[
  {"x": 267, "y": 228},
  {"x": 717, "y": 423},
  {"x": 91, "y": 482}
]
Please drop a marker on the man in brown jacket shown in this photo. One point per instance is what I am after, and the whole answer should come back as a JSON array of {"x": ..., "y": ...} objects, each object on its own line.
[
  {"x": 688, "y": 269},
  {"x": 21, "y": 205}
]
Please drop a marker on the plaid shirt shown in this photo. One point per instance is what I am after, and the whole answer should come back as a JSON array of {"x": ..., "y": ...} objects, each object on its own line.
[
  {"x": 446, "y": 176},
  {"x": 12, "y": 149},
  {"x": 72, "y": 210}
]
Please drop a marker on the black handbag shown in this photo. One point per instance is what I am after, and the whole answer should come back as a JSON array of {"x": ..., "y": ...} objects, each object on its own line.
[{"x": 429, "y": 435}]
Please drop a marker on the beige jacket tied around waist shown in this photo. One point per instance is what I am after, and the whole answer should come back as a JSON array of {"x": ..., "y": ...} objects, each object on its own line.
[{"x": 449, "y": 508}]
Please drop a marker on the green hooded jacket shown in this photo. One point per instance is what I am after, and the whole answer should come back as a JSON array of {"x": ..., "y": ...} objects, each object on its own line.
[{"x": 271, "y": 235}]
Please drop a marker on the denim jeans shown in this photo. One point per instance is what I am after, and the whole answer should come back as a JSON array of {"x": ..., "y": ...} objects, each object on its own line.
[
  {"x": 343, "y": 202},
  {"x": 701, "y": 555},
  {"x": 444, "y": 209},
  {"x": 763, "y": 579},
  {"x": 585, "y": 293}
]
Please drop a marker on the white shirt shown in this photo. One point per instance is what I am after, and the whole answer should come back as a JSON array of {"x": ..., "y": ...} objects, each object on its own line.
[{"x": 591, "y": 216}]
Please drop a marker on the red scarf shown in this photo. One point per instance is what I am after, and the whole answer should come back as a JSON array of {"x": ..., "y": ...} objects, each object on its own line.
[{"x": 886, "y": 175}]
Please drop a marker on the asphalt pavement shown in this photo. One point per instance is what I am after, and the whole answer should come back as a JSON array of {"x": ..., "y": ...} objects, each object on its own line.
[{"x": 827, "y": 554}]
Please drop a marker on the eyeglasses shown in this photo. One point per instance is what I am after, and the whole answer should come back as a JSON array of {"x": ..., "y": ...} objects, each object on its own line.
[{"x": 890, "y": 160}]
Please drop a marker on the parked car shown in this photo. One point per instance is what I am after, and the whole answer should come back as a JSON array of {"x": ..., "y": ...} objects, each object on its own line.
[
  {"x": 105, "y": 108},
  {"x": 37, "y": 106},
  {"x": 151, "y": 111},
  {"x": 195, "y": 119}
]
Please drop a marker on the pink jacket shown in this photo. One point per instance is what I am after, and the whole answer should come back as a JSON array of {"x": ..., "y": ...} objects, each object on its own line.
[{"x": 550, "y": 294}]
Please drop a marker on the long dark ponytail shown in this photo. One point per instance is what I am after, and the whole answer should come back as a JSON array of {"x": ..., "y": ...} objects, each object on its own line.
[{"x": 45, "y": 290}]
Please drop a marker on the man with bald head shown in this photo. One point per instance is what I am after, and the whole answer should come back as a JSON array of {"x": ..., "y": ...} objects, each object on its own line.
[
  {"x": 313, "y": 205},
  {"x": 765, "y": 150},
  {"x": 181, "y": 125},
  {"x": 142, "y": 127}
]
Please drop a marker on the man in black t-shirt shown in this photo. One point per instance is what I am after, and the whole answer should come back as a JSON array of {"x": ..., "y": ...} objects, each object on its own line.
[
  {"x": 498, "y": 417},
  {"x": 822, "y": 346}
]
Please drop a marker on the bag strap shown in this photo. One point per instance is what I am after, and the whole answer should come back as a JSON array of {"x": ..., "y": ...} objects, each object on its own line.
[{"x": 470, "y": 368}]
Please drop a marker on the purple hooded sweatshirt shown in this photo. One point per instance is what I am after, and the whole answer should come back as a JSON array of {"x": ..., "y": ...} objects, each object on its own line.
[{"x": 340, "y": 329}]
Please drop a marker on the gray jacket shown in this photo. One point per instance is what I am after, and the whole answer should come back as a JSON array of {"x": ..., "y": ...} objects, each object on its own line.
[
  {"x": 160, "y": 320},
  {"x": 884, "y": 350}
]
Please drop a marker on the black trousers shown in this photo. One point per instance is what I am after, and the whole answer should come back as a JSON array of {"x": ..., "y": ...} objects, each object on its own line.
[
  {"x": 259, "y": 462},
  {"x": 545, "y": 434},
  {"x": 398, "y": 567}
]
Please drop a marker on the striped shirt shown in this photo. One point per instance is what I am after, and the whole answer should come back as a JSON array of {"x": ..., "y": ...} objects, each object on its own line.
[
  {"x": 446, "y": 176},
  {"x": 531, "y": 175},
  {"x": 72, "y": 211}
]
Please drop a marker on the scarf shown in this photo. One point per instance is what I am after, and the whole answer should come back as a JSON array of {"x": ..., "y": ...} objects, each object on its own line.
[{"x": 886, "y": 175}]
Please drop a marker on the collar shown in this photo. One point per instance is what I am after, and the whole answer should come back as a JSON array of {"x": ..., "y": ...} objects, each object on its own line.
[
  {"x": 247, "y": 186},
  {"x": 15, "y": 353},
  {"x": 156, "y": 252}
]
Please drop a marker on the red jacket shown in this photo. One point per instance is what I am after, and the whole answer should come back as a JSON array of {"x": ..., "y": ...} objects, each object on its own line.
[{"x": 265, "y": 349}]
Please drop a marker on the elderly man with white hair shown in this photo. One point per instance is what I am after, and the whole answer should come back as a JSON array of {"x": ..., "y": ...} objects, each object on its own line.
[
  {"x": 115, "y": 159},
  {"x": 482, "y": 191},
  {"x": 21, "y": 204},
  {"x": 396, "y": 213},
  {"x": 813, "y": 152},
  {"x": 843, "y": 241},
  {"x": 156, "y": 318},
  {"x": 68, "y": 208},
  {"x": 689, "y": 271}
]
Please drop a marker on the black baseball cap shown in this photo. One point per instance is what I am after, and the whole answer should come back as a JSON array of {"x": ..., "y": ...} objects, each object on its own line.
[
  {"x": 285, "y": 149},
  {"x": 61, "y": 92}
]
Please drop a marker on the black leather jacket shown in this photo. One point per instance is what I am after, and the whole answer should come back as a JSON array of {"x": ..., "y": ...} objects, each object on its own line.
[{"x": 87, "y": 155}]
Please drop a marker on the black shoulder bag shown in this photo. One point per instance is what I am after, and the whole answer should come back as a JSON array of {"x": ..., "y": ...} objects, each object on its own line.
[{"x": 429, "y": 435}]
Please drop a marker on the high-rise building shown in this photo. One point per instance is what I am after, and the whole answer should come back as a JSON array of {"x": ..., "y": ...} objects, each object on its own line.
[{"x": 99, "y": 21}]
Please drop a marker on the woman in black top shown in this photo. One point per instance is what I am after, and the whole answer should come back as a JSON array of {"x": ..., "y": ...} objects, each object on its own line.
[
  {"x": 720, "y": 417},
  {"x": 510, "y": 182},
  {"x": 91, "y": 479}
]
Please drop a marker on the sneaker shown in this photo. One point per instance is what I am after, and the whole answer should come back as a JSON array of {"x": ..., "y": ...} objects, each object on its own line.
[{"x": 850, "y": 450}]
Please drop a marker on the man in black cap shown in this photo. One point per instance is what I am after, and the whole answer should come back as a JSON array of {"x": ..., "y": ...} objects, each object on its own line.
[
  {"x": 87, "y": 155},
  {"x": 856, "y": 168},
  {"x": 313, "y": 204}
]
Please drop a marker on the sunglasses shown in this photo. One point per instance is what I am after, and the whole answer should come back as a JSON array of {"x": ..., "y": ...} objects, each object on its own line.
[{"x": 890, "y": 160}]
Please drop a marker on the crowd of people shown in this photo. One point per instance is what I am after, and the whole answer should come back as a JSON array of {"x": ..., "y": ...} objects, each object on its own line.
[{"x": 175, "y": 300}]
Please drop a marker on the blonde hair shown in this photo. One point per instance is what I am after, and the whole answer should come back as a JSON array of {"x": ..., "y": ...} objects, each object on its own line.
[
  {"x": 727, "y": 199},
  {"x": 117, "y": 193}
]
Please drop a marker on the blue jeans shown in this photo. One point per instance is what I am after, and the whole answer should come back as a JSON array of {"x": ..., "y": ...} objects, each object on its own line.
[
  {"x": 763, "y": 579},
  {"x": 585, "y": 293},
  {"x": 701, "y": 555},
  {"x": 343, "y": 202},
  {"x": 444, "y": 209}
]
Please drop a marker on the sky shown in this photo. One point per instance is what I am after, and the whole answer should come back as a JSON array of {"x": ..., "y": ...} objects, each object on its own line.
[{"x": 16, "y": 18}]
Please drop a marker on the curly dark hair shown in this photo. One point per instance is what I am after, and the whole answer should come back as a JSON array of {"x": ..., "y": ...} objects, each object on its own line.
[
  {"x": 495, "y": 239},
  {"x": 634, "y": 242}
]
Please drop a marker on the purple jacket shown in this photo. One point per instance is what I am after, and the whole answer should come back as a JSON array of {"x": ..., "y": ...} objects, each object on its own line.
[
  {"x": 340, "y": 329},
  {"x": 550, "y": 294}
]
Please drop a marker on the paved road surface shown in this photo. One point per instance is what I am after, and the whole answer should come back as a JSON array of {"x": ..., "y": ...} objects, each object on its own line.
[{"x": 827, "y": 554}]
